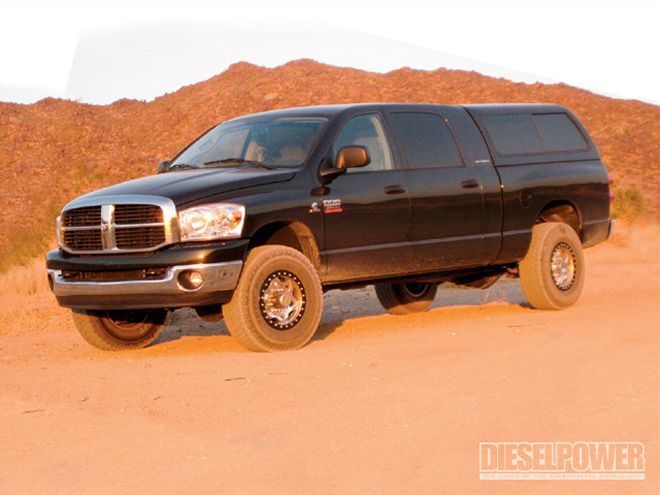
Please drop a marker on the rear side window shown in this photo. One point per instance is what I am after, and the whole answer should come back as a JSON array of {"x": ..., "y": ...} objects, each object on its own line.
[
  {"x": 526, "y": 134},
  {"x": 426, "y": 140},
  {"x": 559, "y": 132},
  {"x": 514, "y": 134}
]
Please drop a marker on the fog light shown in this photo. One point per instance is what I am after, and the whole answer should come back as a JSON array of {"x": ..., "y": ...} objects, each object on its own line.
[{"x": 191, "y": 280}]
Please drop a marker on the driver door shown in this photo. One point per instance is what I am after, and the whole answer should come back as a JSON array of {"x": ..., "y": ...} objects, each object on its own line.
[{"x": 367, "y": 210}]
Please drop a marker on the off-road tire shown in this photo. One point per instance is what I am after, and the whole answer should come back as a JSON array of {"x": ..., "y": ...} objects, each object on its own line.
[
  {"x": 400, "y": 299},
  {"x": 244, "y": 314},
  {"x": 536, "y": 276},
  {"x": 100, "y": 329}
]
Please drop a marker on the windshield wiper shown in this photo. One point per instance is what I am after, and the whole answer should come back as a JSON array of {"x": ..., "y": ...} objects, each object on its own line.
[
  {"x": 181, "y": 166},
  {"x": 238, "y": 161}
]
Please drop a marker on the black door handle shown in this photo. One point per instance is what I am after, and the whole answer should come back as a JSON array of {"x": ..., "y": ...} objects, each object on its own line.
[
  {"x": 394, "y": 189},
  {"x": 469, "y": 184}
]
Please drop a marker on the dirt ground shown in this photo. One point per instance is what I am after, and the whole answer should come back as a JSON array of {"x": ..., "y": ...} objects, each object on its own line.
[{"x": 375, "y": 404}]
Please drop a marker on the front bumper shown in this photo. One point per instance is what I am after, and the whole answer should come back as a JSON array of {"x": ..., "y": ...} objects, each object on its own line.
[
  {"x": 219, "y": 263},
  {"x": 219, "y": 280}
]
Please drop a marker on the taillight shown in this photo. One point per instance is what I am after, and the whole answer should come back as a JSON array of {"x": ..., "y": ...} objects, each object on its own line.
[{"x": 610, "y": 183}]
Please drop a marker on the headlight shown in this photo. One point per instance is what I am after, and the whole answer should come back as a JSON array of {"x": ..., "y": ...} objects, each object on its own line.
[{"x": 214, "y": 221}]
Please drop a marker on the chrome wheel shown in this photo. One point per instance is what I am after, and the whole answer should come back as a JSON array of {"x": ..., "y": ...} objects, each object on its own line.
[
  {"x": 415, "y": 289},
  {"x": 563, "y": 266},
  {"x": 282, "y": 300}
]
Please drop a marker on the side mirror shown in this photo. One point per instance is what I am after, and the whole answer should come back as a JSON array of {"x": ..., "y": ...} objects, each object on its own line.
[
  {"x": 347, "y": 157},
  {"x": 163, "y": 166},
  {"x": 352, "y": 157}
]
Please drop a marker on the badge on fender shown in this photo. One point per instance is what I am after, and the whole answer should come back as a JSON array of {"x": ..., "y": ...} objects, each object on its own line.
[{"x": 332, "y": 206}]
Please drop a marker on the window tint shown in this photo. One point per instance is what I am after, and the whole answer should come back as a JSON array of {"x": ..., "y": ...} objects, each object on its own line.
[
  {"x": 559, "y": 132},
  {"x": 525, "y": 134},
  {"x": 232, "y": 141},
  {"x": 426, "y": 140},
  {"x": 278, "y": 142},
  {"x": 367, "y": 131},
  {"x": 513, "y": 134}
]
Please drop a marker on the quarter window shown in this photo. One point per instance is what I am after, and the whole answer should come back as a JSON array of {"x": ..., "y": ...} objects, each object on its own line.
[
  {"x": 559, "y": 132},
  {"x": 526, "y": 134},
  {"x": 426, "y": 140},
  {"x": 514, "y": 134},
  {"x": 367, "y": 131}
]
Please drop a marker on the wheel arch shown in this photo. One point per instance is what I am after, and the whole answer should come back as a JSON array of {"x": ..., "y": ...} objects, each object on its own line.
[
  {"x": 562, "y": 210},
  {"x": 294, "y": 234}
]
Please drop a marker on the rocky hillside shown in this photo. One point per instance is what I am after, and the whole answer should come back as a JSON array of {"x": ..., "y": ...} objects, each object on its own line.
[{"x": 54, "y": 150}]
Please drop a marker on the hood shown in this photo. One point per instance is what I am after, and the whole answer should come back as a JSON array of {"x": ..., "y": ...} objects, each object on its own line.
[{"x": 192, "y": 185}]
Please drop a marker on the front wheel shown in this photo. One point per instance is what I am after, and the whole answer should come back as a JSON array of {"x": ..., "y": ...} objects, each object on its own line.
[
  {"x": 552, "y": 272},
  {"x": 119, "y": 330},
  {"x": 406, "y": 298},
  {"x": 278, "y": 301}
]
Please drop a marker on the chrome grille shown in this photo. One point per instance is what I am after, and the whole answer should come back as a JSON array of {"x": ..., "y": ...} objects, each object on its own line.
[
  {"x": 83, "y": 240},
  {"x": 139, "y": 237},
  {"x": 90, "y": 215},
  {"x": 125, "y": 225},
  {"x": 131, "y": 214}
]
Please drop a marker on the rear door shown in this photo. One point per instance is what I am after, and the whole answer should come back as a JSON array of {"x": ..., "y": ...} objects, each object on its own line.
[
  {"x": 449, "y": 227},
  {"x": 366, "y": 211}
]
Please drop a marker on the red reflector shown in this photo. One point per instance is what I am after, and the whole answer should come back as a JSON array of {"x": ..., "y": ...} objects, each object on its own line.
[{"x": 611, "y": 197}]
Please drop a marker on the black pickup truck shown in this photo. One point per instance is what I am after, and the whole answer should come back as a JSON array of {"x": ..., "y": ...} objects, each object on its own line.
[{"x": 260, "y": 215}]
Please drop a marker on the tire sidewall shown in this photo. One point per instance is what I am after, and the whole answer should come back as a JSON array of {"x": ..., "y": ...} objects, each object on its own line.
[
  {"x": 149, "y": 329},
  {"x": 260, "y": 267},
  {"x": 556, "y": 235},
  {"x": 93, "y": 327},
  {"x": 412, "y": 302},
  {"x": 398, "y": 301}
]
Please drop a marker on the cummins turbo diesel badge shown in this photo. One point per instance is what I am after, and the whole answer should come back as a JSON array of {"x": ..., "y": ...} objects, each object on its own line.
[{"x": 332, "y": 206}]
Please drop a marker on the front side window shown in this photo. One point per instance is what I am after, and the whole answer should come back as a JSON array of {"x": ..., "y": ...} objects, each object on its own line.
[
  {"x": 367, "y": 131},
  {"x": 275, "y": 142}
]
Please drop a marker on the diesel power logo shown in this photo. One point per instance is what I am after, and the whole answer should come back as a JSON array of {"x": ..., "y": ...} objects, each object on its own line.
[{"x": 561, "y": 461}]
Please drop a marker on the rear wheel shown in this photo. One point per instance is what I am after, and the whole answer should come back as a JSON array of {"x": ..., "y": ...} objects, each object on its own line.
[
  {"x": 119, "y": 330},
  {"x": 553, "y": 271},
  {"x": 406, "y": 298},
  {"x": 278, "y": 301}
]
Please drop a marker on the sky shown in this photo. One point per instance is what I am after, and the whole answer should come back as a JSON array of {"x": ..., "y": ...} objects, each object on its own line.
[{"x": 98, "y": 51}]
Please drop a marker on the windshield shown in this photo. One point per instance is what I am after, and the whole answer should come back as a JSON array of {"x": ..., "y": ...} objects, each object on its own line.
[{"x": 275, "y": 142}]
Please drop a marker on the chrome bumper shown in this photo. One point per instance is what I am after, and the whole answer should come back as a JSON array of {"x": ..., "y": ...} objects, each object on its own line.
[{"x": 218, "y": 277}]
